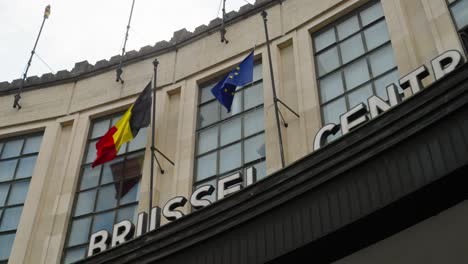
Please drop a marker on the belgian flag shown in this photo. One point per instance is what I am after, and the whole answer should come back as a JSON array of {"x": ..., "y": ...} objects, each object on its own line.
[{"x": 137, "y": 116}]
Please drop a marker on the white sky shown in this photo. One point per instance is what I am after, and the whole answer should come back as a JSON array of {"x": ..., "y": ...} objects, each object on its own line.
[{"x": 91, "y": 30}]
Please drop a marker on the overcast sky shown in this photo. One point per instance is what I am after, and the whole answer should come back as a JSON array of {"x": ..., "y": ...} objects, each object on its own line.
[{"x": 91, "y": 30}]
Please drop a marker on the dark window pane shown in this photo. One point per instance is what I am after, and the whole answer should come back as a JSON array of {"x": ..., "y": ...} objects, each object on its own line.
[
  {"x": 325, "y": 39},
  {"x": 3, "y": 193},
  {"x": 327, "y": 61},
  {"x": 90, "y": 177},
  {"x": 18, "y": 192},
  {"x": 130, "y": 191},
  {"x": 356, "y": 74},
  {"x": 85, "y": 202},
  {"x": 209, "y": 114},
  {"x": 107, "y": 197},
  {"x": 230, "y": 158},
  {"x": 360, "y": 95},
  {"x": 100, "y": 128},
  {"x": 332, "y": 111},
  {"x": 460, "y": 13},
  {"x": 230, "y": 131},
  {"x": 371, "y": 14},
  {"x": 32, "y": 144},
  {"x": 12, "y": 148},
  {"x": 72, "y": 255},
  {"x": 382, "y": 60},
  {"x": 348, "y": 27},
  {"x": 254, "y": 148},
  {"x": 253, "y": 96},
  {"x": 236, "y": 106},
  {"x": 261, "y": 170},
  {"x": 376, "y": 35},
  {"x": 207, "y": 140},
  {"x": 104, "y": 221},
  {"x": 331, "y": 87},
  {"x": 127, "y": 213},
  {"x": 253, "y": 122},
  {"x": 1, "y": 147},
  {"x": 79, "y": 231},
  {"x": 140, "y": 141},
  {"x": 6, "y": 242},
  {"x": 112, "y": 170},
  {"x": 11, "y": 218},
  {"x": 7, "y": 169},
  {"x": 351, "y": 48},
  {"x": 206, "y": 166},
  {"x": 26, "y": 167}
]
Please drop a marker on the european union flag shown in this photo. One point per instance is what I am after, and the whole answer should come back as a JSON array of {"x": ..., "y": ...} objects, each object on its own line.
[{"x": 241, "y": 75}]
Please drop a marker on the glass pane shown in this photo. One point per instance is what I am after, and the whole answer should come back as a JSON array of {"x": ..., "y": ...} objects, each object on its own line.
[
  {"x": 332, "y": 111},
  {"x": 100, "y": 128},
  {"x": 7, "y": 242},
  {"x": 207, "y": 140},
  {"x": 205, "y": 93},
  {"x": 261, "y": 170},
  {"x": 11, "y": 218},
  {"x": 107, "y": 197},
  {"x": 254, "y": 148},
  {"x": 140, "y": 141},
  {"x": 382, "y": 60},
  {"x": 208, "y": 114},
  {"x": 26, "y": 167},
  {"x": 325, "y": 39},
  {"x": 253, "y": 122},
  {"x": 1, "y": 146},
  {"x": 85, "y": 202},
  {"x": 460, "y": 14},
  {"x": 3, "y": 193},
  {"x": 79, "y": 231},
  {"x": 91, "y": 155},
  {"x": 32, "y": 144},
  {"x": 371, "y": 14},
  {"x": 348, "y": 27},
  {"x": 206, "y": 166},
  {"x": 18, "y": 192},
  {"x": 72, "y": 255},
  {"x": 230, "y": 158},
  {"x": 130, "y": 191},
  {"x": 211, "y": 197},
  {"x": 122, "y": 149},
  {"x": 382, "y": 83},
  {"x": 90, "y": 177},
  {"x": 328, "y": 61},
  {"x": 376, "y": 35},
  {"x": 127, "y": 213},
  {"x": 236, "y": 106},
  {"x": 360, "y": 96},
  {"x": 356, "y": 74},
  {"x": 12, "y": 148},
  {"x": 257, "y": 72},
  {"x": 331, "y": 87},
  {"x": 112, "y": 170},
  {"x": 104, "y": 221},
  {"x": 133, "y": 166},
  {"x": 253, "y": 96},
  {"x": 7, "y": 169},
  {"x": 230, "y": 131},
  {"x": 351, "y": 48},
  {"x": 115, "y": 120}
]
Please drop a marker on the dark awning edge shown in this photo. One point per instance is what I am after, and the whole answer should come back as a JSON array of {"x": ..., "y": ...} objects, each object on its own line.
[{"x": 427, "y": 107}]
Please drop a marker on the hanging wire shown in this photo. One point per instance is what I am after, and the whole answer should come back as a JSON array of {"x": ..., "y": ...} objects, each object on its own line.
[
  {"x": 219, "y": 8},
  {"x": 45, "y": 63}
]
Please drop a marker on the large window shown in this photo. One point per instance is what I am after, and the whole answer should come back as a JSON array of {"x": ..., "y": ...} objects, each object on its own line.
[
  {"x": 107, "y": 194},
  {"x": 229, "y": 142},
  {"x": 354, "y": 60},
  {"x": 459, "y": 9},
  {"x": 17, "y": 161}
]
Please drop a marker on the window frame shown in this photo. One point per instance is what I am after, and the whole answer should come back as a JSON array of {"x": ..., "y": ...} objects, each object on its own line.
[{"x": 462, "y": 31}]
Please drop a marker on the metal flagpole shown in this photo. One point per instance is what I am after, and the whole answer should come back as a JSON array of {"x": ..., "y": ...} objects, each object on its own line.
[
  {"x": 223, "y": 29},
  {"x": 119, "y": 69},
  {"x": 153, "y": 125},
  {"x": 275, "y": 99},
  {"x": 18, "y": 95}
]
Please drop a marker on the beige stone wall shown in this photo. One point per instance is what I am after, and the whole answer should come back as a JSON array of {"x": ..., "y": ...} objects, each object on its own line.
[{"x": 419, "y": 29}]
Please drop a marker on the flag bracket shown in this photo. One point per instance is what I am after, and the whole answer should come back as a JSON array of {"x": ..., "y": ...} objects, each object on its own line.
[{"x": 285, "y": 124}]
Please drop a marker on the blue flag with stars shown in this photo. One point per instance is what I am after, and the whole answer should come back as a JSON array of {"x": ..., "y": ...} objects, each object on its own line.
[{"x": 241, "y": 75}]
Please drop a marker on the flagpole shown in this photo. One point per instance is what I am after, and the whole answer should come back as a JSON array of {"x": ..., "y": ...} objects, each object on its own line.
[
  {"x": 153, "y": 127},
  {"x": 275, "y": 98},
  {"x": 18, "y": 95},
  {"x": 119, "y": 70}
]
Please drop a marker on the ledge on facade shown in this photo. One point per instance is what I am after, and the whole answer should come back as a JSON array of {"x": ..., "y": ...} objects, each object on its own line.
[{"x": 181, "y": 37}]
